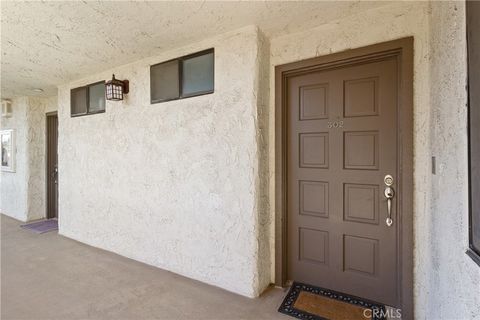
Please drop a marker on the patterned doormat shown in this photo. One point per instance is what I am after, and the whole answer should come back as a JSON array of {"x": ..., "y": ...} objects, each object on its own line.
[
  {"x": 42, "y": 226},
  {"x": 313, "y": 303}
]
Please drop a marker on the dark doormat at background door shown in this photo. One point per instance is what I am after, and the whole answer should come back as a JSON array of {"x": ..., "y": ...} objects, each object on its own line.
[
  {"x": 42, "y": 226},
  {"x": 313, "y": 303}
]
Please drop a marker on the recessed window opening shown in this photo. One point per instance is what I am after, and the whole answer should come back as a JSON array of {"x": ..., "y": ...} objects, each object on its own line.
[
  {"x": 89, "y": 99},
  {"x": 183, "y": 77}
]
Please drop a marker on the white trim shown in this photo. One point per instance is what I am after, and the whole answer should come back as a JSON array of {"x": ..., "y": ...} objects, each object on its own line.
[
  {"x": 11, "y": 166},
  {"x": 6, "y": 108}
]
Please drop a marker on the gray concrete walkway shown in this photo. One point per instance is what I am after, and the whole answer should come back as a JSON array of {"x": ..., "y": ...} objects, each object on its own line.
[{"x": 51, "y": 277}]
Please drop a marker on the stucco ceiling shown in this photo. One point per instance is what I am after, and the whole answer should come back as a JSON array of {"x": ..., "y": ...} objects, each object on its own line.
[{"x": 44, "y": 44}]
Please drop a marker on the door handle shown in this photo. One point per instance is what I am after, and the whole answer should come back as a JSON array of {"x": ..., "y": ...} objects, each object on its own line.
[{"x": 389, "y": 194}]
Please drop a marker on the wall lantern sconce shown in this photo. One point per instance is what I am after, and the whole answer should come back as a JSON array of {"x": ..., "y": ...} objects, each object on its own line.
[{"x": 115, "y": 89}]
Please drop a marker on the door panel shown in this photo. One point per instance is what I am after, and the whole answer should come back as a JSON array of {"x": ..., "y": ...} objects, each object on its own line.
[
  {"x": 52, "y": 166},
  {"x": 341, "y": 142}
]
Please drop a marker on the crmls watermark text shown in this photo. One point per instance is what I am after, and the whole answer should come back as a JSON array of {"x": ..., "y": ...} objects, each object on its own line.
[{"x": 389, "y": 313}]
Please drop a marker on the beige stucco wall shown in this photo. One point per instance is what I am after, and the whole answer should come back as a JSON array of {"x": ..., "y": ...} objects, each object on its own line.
[
  {"x": 447, "y": 282},
  {"x": 175, "y": 184},
  {"x": 36, "y": 144},
  {"x": 451, "y": 280},
  {"x": 13, "y": 192},
  {"x": 23, "y": 191},
  {"x": 263, "y": 212},
  {"x": 182, "y": 185}
]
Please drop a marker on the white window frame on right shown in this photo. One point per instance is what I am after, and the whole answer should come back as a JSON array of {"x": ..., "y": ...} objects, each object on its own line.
[{"x": 8, "y": 150}]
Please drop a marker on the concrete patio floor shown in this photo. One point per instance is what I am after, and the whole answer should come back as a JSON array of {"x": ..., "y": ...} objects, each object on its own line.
[{"x": 48, "y": 276}]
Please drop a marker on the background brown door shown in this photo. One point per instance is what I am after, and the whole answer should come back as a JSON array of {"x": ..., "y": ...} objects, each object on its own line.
[
  {"x": 52, "y": 166},
  {"x": 341, "y": 142}
]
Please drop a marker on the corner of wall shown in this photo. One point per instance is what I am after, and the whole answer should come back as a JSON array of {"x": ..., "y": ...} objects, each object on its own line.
[
  {"x": 443, "y": 266},
  {"x": 263, "y": 222},
  {"x": 13, "y": 195},
  {"x": 23, "y": 191},
  {"x": 35, "y": 159}
]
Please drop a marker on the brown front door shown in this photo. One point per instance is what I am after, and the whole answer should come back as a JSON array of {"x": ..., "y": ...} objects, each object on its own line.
[
  {"x": 52, "y": 165},
  {"x": 341, "y": 144}
]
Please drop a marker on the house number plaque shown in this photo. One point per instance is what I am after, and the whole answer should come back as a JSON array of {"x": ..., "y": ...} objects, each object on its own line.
[{"x": 335, "y": 124}]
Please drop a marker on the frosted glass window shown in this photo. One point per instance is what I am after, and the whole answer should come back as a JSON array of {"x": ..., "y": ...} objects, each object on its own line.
[
  {"x": 96, "y": 95},
  {"x": 88, "y": 99},
  {"x": 197, "y": 75},
  {"x": 79, "y": 101},
  {"x": 184, "y": 77},
  {"x": 164, "y": 81}
]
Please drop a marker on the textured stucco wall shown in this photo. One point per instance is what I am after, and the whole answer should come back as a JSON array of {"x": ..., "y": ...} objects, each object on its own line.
[
  {"x": 263, "y": 202},
  {"x": 174, "y": 184},
  {"x": 446, "y": 281},
  {"x": 13, "y": 192},
  {"x": 36, "y": 135},
  {"x": 23, "y": 191},
  {"x": 452, "y": 278},
  {"x": 182, "y": 185}
]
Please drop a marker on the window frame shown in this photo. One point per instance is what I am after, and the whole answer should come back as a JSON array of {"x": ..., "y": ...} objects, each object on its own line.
[
  {"x": 87, "y": 90},
  {"x": 180, "y": 60},
  {"x": 472, "y": 251}
]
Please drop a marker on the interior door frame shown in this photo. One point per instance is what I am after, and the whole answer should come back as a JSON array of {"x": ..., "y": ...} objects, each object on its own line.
[
  {"x": 402, "y": 51},
  {"x": 47, "y": 174}
]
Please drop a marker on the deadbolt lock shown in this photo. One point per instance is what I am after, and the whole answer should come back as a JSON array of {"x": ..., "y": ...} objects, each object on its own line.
[{"x": 388, "y": 180}]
